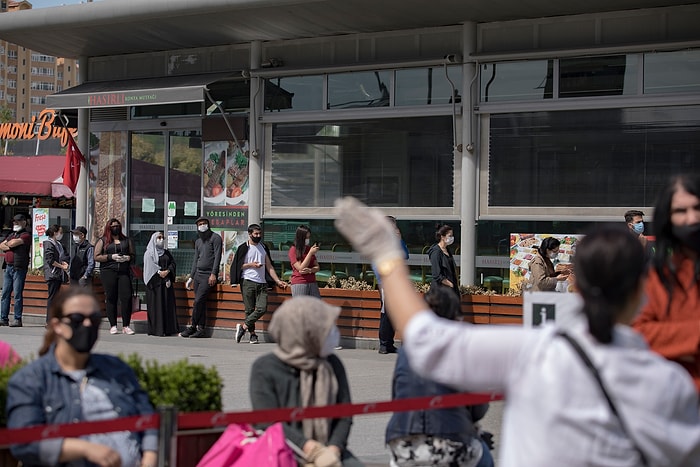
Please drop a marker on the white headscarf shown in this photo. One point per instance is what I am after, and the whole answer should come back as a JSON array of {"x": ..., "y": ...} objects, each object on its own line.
[{"x": 151, "y": 258}]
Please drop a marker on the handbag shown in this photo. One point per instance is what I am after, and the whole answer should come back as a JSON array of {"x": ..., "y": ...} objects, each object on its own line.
[
  {"x": 240, "y": 445},
  {"x": 596, "y": 375}
]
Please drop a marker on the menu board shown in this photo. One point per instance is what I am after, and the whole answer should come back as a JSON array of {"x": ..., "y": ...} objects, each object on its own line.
[{"x": 523, "y": 248}]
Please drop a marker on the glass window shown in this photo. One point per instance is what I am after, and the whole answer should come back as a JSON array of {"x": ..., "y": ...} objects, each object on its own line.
[
  {"x": 517, "y": 81},
  {"x": 359, "y": 89},
  {"x": 613, "y": 75},
  {"x": 388, "y": 162},
  {"x": 428, "y": 86},
  {"x": 672, "y": 72},
  {"x": 147, "y": 178},
  {"x": 294, "y": 93},
  {"x": 606, "y": 157}
]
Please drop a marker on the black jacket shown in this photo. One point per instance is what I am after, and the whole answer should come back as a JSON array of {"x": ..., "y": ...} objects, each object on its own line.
[{"x": 239, "y": 259}]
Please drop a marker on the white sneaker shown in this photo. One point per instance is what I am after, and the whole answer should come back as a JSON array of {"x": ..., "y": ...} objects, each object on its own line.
[
  {"x": 128, "y": 330},
  {"x": 113, "y": 330}
]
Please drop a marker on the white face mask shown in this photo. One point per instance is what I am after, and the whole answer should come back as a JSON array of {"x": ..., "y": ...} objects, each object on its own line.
[
  {"x": 449, "y": 240},
  {"x": 203, "y": 227},
  {"x": 59, "y": 237},
  {"x": 331, "y": 342},
  {"x": 159, "y": 243},
  {"x": 76, "y": 239},
  {"x": 16, "y": 228},
  {"x": 553, "y": 256},
  {"x": 307, "y": 242}
]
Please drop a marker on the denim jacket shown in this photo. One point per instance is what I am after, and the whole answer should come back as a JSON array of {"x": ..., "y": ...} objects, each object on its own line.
[
  {"x": 41, "y": 393},
  {"x": 455, "y": 423}
]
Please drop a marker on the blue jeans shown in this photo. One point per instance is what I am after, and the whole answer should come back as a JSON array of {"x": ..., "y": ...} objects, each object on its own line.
[{"x": 13, "y": 283}]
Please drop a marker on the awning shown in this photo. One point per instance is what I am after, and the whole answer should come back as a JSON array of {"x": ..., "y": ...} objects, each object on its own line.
[
  {"x": 146, "y": 91},
  {"x": 33, "y": 175}
]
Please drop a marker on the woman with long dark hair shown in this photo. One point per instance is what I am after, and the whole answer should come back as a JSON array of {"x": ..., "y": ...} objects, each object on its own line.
[
  {"x": 302, "y": 257},
  {"x": 442, "y": 263},
  {"x": 669, "y": 318},
  {"x": 543, "y": 277},
  {"x": 55, "y": 264},
  {"x": 69, "y": 384},
  {"x": 115, "y": 253},
  {"x": 591, "y": 394}
]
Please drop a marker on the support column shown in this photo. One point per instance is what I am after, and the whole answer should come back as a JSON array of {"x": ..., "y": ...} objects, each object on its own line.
[
  {"x": 81, "y": 191},
  {"x": 255, "y": 163},
  {"x": 469, "y": 154}
]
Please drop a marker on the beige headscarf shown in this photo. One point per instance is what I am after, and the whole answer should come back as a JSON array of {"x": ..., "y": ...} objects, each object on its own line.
[{"x": 300, "y": 327}]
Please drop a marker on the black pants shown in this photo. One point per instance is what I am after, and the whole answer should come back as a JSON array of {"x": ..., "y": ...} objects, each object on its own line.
[
  {"x": 386, "y": 329},
  {"x": 54, "y": 287},
  {"x": 199, "y": 308},
  {"x": 117, "y": 289}
]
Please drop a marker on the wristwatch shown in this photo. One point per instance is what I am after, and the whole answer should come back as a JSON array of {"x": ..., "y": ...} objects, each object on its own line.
[{"x": 386, "y": 267}]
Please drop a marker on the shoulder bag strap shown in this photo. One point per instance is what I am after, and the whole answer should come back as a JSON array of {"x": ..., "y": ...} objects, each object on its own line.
[{"x": 594, "y": 371}]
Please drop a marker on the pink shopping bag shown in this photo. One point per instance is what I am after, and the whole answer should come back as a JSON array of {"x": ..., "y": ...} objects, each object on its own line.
[{"x": 241, "y": 445}]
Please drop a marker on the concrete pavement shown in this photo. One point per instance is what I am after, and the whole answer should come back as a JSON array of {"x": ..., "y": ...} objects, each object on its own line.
[{"x": 369, "y": 374}]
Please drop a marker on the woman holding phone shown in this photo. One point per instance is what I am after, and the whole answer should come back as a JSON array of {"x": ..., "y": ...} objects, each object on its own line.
[{"x": 302, "y": 257}]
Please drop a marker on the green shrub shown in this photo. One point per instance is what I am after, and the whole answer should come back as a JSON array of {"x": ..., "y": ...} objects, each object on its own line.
[
  {"x": 5, "y": 373},
  {"x": 188, "y": 386}
]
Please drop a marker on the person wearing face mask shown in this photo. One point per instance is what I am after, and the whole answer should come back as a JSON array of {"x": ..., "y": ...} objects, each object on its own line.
[
  {"x": 69, "y": 384},
  {"x": 16, "y": 246},
  {"x": 204, "y": 275},
  {"x": 670, "y": 319},
  {"x": 635, "y": 222},
  {"x": 303, "y": 371},
  {"x": 543, "y": 276},
  {"x": 442, "y": 263},
  {"x": 302, "y": 257},
  {"x": 115, "y": 253},
  {"x": 159, "y": 277},
  {"x": 82, "y": 261},
  {"x": 252, "y": 268},
  {"x": 55, "y": 264}
]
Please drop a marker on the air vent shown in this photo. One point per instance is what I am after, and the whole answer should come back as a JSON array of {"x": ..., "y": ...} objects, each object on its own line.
[{"x": 111, "y": 114}]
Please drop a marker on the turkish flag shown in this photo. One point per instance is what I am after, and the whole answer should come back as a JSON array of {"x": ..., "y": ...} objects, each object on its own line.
[{"x": 74, "y": 158}]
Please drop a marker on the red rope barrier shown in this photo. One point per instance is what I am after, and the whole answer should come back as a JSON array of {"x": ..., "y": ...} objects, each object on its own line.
[{"x": 198, "y": 420}]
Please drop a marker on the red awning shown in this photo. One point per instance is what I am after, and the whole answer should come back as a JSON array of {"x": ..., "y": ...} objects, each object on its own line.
[{"x": 33, "y": 175}]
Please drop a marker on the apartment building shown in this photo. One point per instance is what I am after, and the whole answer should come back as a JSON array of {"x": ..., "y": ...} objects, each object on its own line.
[{"x": 27, "y": 76}]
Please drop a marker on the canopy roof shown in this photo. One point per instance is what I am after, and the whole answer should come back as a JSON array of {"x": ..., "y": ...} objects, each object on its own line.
[
  {"x": 33, "y": 175},
  {"x": 111, "y": 27}
]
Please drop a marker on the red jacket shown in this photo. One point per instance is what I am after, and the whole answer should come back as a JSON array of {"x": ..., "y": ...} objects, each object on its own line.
[{"x": 674, "y": 334}]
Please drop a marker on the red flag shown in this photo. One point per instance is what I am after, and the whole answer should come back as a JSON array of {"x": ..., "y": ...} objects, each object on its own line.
[{"x": 74, "y": 158}]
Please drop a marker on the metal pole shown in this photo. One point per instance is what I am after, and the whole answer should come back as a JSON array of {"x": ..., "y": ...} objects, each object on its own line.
[{"x": 167, "y": 442}]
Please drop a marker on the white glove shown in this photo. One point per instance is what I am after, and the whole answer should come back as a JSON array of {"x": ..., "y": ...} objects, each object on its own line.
[
  {"x": 368, "y": 230},
  {"x": 188, "y": 284}
]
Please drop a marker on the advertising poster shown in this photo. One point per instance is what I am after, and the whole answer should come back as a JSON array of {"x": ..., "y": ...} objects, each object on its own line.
[
  {"x": 231, "y": 240},
  {"x": 523, "y": 248},
  {"x": 40, "y": 222}
]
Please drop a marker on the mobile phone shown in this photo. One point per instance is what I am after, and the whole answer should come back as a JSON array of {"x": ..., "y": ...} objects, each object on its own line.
[{"x": 317, "y": 244}]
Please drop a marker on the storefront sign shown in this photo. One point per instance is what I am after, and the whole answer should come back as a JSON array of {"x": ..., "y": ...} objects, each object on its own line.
[
  {"x": 41, "y": 127},
  {"x": 227, "y": 217}
]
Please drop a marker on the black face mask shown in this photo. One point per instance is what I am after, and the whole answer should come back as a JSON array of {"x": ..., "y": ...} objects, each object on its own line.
[
  {"x": 83, "y": 338},
  {"x": 689, "y": 235},
  {"x": 116, "y": 230},
  {"x": 255, "y": 239}
]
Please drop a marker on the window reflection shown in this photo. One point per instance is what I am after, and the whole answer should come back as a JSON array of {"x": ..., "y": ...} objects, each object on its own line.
[
  {"x": 388, "y": 162},
  {"x": 294, "y": 93},
  {"x": 517, "y": 81},
  {"x": 670, "y": 72},
  {"x": 360, "y": 89},
  {"x": 612, "y": 75},
  {"x": 428, "y": 86}
]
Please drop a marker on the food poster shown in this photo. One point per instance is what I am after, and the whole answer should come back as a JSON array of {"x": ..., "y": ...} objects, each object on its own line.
[
  {"x": 225, "y": 177},
  {"x": 231, "y": 241},
  {"x": 523, "y": 248}
]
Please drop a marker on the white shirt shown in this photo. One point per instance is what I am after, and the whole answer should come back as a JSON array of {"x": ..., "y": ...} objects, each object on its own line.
[
  {"x": 555, "y": 413},
  {"x": 256, "y": 254}
]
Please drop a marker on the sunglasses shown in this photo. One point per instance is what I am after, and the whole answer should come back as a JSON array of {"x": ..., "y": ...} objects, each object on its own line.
[{"x": 75, "y": 320}]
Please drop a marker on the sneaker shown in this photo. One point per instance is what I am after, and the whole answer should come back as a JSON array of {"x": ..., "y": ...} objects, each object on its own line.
[
  {"x": 240, "y": 332},
  {"x": 4, "y": 322},
  {"x": 386, "y": 350},
  {"x": 113, "y": 330},
  {"x": 254, "y": 339},
  {"x": 338, "y": 347},
  {"x": 128, "y": 330},
  {"x": 189, "y": 330},
  {"x": 16, "y": 323},
  {"x": 199, "y": 333}
]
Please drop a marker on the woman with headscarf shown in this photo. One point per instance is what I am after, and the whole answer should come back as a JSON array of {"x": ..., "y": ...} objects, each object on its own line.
[
  {"x": 302, "y": 371},
  {"x": 159, "y": 277}
]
